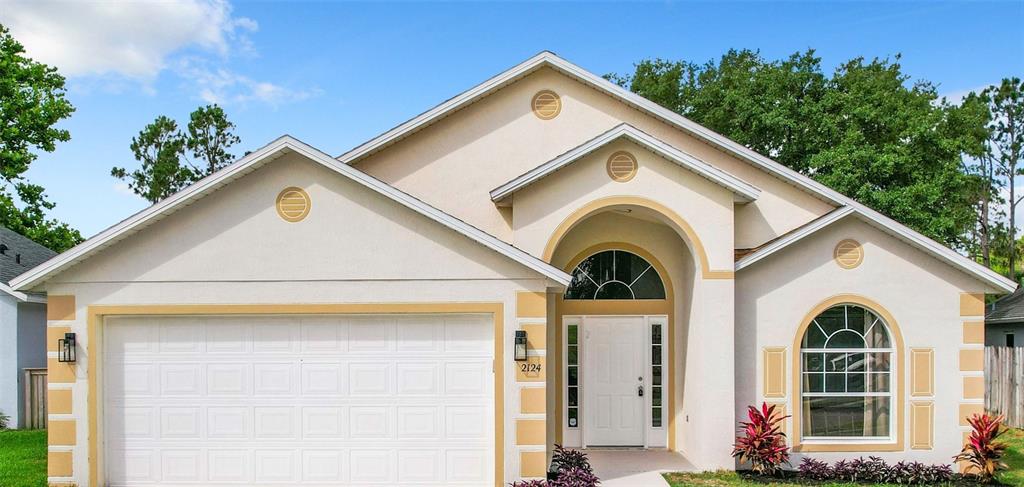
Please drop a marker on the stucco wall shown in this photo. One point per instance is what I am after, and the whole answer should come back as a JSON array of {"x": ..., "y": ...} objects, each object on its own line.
[
  {"x": 539, "y": 209},
  {"x": 923, "y": 295},
  {"x": 454, "y": 163},
  {"x": 232, "y": 248}
]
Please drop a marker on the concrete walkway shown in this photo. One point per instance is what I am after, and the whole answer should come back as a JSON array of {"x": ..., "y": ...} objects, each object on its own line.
[{"x": 635, "y": 467}]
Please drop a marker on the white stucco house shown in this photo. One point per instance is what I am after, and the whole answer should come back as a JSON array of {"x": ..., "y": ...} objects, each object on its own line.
[
  {"x": 298, "y": 318},
  {"x": 22, "y": 330}
]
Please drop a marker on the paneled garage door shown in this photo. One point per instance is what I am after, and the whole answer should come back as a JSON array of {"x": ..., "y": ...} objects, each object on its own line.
[{"x": 289, "y": 400}]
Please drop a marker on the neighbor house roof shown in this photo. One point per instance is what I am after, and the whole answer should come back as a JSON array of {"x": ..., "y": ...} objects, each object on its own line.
[
  {"x": 744, "y": 191},
  {"x": 1008, "y": 309},
  {"x": 249, "y": 163},
  {"x": 17, "y": 255},
  {"x": 548, "y": 59}
]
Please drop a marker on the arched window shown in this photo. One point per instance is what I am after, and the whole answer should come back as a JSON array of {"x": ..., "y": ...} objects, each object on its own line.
[
  {"x": 847, "y": 377},
  {"x": 615, "y": 274}
]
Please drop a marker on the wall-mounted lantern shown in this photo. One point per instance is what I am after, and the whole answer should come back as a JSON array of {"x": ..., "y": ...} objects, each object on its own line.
[
  {"x": 66, "y": 348},
  {"x": 520, "y": 346}
]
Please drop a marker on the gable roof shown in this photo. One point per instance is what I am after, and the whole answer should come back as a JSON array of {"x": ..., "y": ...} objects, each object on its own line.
[
  {"x": 719, "y": 141},
  {"x": 743, "y": 191},
  {"x": 888, "y": 226},
  {"x": 1008, "y": 309},
  {"x": 249, "y": 163},
  {"x": 18, "y": 254}
]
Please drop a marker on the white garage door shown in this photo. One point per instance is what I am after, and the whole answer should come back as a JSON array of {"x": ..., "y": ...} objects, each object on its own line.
[{"x": 310, "y": 400}]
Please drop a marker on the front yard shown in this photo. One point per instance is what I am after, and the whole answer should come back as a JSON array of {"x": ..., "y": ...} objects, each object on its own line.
[
  {"x": 23, "y": 458},
  {"x": 1014, "y": 476}
]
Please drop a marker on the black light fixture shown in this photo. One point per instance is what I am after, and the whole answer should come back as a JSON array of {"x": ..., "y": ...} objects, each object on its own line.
[
  {"x": 66, "y": 348},
  {"x": 520, "y": 349}
]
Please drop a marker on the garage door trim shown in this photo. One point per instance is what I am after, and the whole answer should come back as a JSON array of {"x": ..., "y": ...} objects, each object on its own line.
[{"x": 96, "y": 314}]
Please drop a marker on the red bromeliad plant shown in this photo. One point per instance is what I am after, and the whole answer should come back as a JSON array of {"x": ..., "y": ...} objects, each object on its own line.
[
  {"x": 762, "y": 442},
  {"x": 983, "y": 453}
]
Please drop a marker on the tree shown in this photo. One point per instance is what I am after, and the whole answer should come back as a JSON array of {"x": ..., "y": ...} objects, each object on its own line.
[
  {"x": 32, "y": 102},
  {"x": 861, "y": 130},
  {"x": 1006, "y": 103},
  {"x": 980, "y": 165},
  {"x": 162, "y": 149}
]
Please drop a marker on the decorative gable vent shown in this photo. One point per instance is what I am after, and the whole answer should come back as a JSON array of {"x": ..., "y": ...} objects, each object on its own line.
[
  {"x": 546, "y": 104},
  {"x": 849, "y": 254},
  {"x": 622, "y": 166},
  {"x": 293, "y": 204}
]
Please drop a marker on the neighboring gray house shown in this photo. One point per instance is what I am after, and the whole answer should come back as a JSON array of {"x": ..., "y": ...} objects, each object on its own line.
[
  {"x": 1004, "y": 321},
  {"x": 22, "y": 323}
]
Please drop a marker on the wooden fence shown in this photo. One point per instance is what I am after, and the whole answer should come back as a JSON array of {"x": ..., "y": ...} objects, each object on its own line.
[
  {"x": 35, "y": 398},
  {"x": 1004, "y": 387}
]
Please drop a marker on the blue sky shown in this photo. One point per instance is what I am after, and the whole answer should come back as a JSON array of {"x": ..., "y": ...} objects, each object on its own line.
[{"x": 336, "y": 74}]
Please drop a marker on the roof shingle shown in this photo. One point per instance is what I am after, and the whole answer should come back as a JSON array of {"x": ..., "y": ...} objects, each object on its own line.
[{"x": 19, "y": 254}]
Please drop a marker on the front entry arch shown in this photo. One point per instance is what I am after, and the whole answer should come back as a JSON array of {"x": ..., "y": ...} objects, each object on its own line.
[{"x": 642, "y": 311}]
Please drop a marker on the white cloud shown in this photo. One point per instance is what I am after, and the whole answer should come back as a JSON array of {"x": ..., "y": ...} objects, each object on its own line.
[
  {"x": 957, "y": 97},
  {"x": 223, "y": 86},
  {"x": 114, "y": 46},
  {"x": 131, "y": 39}
]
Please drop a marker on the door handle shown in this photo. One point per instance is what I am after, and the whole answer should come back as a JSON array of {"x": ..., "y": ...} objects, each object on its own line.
[{"x": 640, "y": 391}]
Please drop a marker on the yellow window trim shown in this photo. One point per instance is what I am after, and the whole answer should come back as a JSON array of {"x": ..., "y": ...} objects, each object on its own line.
[
  {"x": 899, "y": 362},
  {"x": 677, "y": 223},
  {"x": 96, "y": 314}
]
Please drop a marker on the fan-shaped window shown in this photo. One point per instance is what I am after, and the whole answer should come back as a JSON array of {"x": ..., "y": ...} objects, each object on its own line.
[
  {"x": 615, "y": 274},
  {"x": 847, "y": 375}
]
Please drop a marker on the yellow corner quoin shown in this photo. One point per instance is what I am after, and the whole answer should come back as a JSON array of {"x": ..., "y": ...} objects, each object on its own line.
[
  {"x": 533, "y": 464},
  {"x": 968, "y": 410},
  {"x": 780, "y": 412},
  {"x": 922, "y": 419},
  {"x": 97, "y": 313},
  {"x": 531, "y": 305},
  {"x": 53, "y": 334},
  {"x": 974, "y": 387},
  {"x": 974, "y": 332},
  {"x": 972, "y": 304},
  {"x": 533, "y": 400},
  {"x": 922, "y": 372},
  {"x": 530, "y": 431},
  {"x": 58, "y": 372},
  {"x": 58, "y": 401},
  {"x": 58, "y": 464},
  {"x": 61, "y": 432},
  {"x": 972, "y": 360},
  {"x": 533, "y": 369},
  {"x": 60, "y": 308},
  {"x": 774, "y": 372},
  {"x": 536, "y": 336}
]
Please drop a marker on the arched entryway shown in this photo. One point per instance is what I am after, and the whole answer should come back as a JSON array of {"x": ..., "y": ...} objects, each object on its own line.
[{"x": 622, "y": 321}]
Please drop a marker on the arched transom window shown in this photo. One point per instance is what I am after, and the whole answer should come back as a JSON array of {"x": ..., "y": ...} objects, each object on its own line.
[
  {"x": 615, "y": 274},
  {"x": 847, "y": 376}
]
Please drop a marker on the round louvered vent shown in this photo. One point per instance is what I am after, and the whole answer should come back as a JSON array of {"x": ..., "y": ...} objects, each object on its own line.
[
  {"x": 293, "y": 204},
  {"x": 622, "y": 166},
  {"x": 546, "y": 104},
  {"x": 849, "y": 254}
]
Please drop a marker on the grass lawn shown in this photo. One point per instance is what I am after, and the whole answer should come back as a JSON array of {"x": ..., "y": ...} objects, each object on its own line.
[
  {"x": 23, "y": 458},
  {"x": 1014, "y": 458}
]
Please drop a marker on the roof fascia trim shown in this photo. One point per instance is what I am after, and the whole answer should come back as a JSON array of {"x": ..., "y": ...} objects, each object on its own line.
[
  {"x": 279, "y": 146},
  {"x": 746, "y": 192}
]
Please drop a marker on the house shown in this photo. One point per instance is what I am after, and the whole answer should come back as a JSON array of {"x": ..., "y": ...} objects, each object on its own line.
[
  {"x": 1004, "y": 321},
  {"x": 22, "y": 324},
  {"x": 544, "y": 258}
]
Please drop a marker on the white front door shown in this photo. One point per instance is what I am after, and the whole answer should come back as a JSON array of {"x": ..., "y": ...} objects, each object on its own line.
[{"x": 613, "y": 378}]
